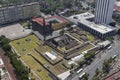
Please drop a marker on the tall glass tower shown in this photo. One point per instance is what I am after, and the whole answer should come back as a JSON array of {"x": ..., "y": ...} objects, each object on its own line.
[{"x": 104, "y": 11}]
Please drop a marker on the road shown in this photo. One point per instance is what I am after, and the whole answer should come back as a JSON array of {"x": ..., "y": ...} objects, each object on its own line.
[{"x": 99, "y": 60}]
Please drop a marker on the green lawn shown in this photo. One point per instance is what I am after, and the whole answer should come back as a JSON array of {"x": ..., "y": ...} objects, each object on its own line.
[
  {"x": 24, "y": 47},
  {"x": 89, "y": 46},
  {"x": 25, "y": 24},
  {"x": 91, "y": 37}
]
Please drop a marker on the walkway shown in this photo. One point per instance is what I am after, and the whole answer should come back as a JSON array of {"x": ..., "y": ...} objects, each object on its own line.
[{"x": 8, "y": 65}]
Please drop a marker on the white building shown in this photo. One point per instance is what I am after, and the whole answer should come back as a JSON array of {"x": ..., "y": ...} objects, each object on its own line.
[
  {"x": 100, "y": 30},
  {"x": 104, "y": 11},
  {"x": 51, "y": 56}
]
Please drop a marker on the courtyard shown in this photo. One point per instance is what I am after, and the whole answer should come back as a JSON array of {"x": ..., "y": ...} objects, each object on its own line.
[
  {"x": 14, "y": 31},
  {"x": 25, "y": 47}
]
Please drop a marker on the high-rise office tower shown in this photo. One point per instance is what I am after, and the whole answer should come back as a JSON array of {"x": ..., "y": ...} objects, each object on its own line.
[{"x": 104, "y": 11}]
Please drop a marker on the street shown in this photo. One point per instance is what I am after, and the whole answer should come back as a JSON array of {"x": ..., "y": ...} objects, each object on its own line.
[{"x": 97, "y": 63}]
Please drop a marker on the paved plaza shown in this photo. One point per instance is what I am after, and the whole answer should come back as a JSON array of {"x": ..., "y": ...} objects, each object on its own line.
[{"x": 13, "y": 31}]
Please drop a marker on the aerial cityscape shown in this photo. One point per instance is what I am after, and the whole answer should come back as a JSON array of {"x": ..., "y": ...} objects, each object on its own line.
[{"x": 59, "y": 39}]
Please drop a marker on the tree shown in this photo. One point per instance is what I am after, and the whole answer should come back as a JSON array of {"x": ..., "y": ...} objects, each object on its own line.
[
  {"x": 110, "y": 38},
  {"x": 72, "y": 66},
  {"x": 6, "y": 47},
  {"x": 19, "y": 67},
  {"x": 69, "y": 24},
  {"x": 89, "y": 56},
  {"x": 85, "y": 77},
  {"x": 5, "y": 41},
  {"x": 62, "y": 32},
  {"x": 117, "y": 16},
  {"x": 81, "y": 63},
  {"x": 118, "y": 32},
  {"x": 0, "y": 75},
  {"x": 106, "y": 66},
  {"x": 110, "y": 60},
  {"x": 33, "y": 79},
  {"x": 1, "y": 37},
  {"x": 97, "y": 71},
  {"x": 112, "y": 24},
  {"x": 96, "y": 78}
]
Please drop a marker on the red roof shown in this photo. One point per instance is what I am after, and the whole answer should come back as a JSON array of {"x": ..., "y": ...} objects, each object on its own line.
[
  {"x": 59, "y": 18},
  {"x": 40, "y": 21},
  {"x": 114, "y": 76}
]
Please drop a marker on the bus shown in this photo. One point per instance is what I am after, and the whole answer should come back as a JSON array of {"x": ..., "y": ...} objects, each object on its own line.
[
  {"x": 79, "y": 70},
  {"x": 109, "y": 47},
  {"x": 80, "y": 77}
]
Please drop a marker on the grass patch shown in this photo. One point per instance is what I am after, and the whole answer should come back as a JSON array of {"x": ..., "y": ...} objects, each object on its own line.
[
  {"x": 25, "y": 24},
  {"x": 25, "y": 46},
  {"x": 91, "y": 37},
  {"x": 85, "y": 48},
  {"x": 59, "y": 25},
  {"x": 58, "y": 69}
]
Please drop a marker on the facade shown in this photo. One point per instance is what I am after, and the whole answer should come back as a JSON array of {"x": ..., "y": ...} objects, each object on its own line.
[
  {"x": 100, "y": 30},
  {"x": 104, "y": 11},
  {"x": 19, "y": 12},
  {"x": 43, "y": 27}
]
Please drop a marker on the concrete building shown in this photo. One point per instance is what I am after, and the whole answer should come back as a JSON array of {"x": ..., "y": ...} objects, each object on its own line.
[
  {"x": 102, "y": 31},
  {"x": 84, "y": 21},
  {"x": 19, "y": 12},
  {"x": 104, "y": 11}
]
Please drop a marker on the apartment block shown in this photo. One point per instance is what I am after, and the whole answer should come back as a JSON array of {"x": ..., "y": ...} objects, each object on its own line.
[{"x": 19, "y": 12}]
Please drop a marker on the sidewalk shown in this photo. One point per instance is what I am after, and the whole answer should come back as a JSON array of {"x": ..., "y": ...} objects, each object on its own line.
[{"x": 8, "y": 65}]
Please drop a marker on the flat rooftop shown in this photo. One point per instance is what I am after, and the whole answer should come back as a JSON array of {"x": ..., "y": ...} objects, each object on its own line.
[
  {"x": 84, "y": 16},
  {"x": 97, "y": 27}
]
